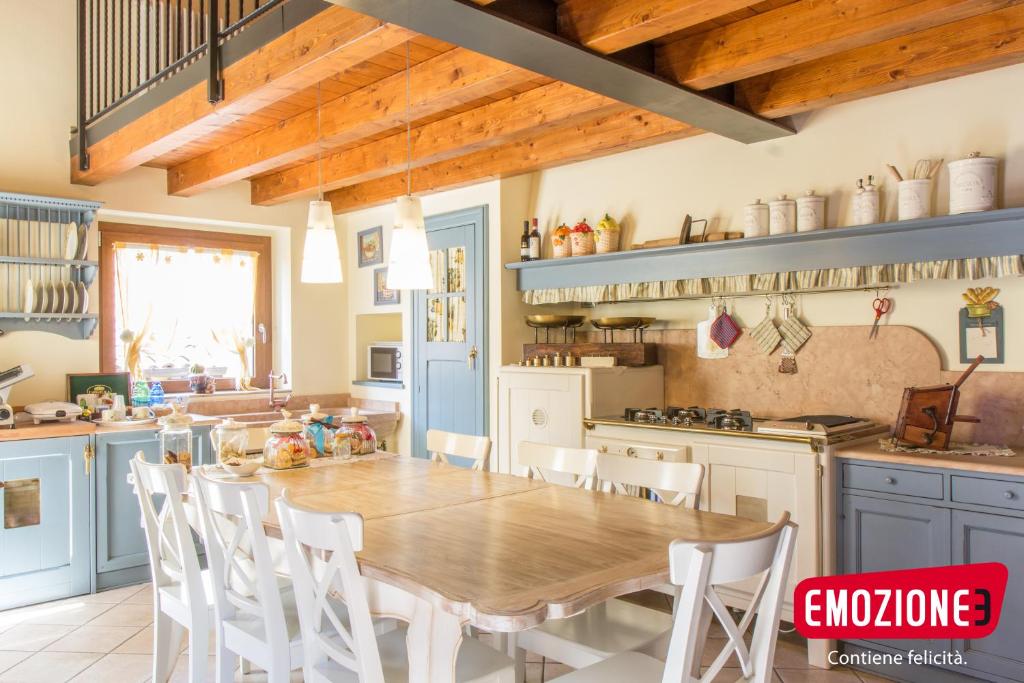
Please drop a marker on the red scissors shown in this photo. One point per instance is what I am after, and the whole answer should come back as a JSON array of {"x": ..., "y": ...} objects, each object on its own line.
[{"x": 881, "y": 306}]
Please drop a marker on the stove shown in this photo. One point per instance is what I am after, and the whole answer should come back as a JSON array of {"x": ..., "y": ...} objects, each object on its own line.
[{"x": 828, "y": 428}]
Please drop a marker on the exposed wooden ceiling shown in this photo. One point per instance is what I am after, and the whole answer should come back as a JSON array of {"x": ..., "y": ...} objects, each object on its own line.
[{"x": 476, "y": 118}]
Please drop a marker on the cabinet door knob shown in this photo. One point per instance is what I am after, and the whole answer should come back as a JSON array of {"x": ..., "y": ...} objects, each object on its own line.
[
  {"x": 890, "y": 480},
  {"x": 631, "y": 452},
  {"x": 603, "y": 449},
  {"x": 1009, "y": 495},
  {"x": 660, "y": 455}
]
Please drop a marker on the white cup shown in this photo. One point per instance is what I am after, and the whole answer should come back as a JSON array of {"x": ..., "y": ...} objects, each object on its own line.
[
  {"x": 915, "y": 199},
  {"x": 107, "y": 414}
]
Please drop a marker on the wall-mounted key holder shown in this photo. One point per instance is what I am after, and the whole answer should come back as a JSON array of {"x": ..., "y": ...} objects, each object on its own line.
[{"x": 982, "y": 330}]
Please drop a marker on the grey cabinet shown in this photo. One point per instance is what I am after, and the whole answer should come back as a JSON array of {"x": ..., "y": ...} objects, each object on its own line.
[
  {"x": 44, "y": 538},
  {"x": 983, "y": 537},
  {"x": 121, "y": 555}
]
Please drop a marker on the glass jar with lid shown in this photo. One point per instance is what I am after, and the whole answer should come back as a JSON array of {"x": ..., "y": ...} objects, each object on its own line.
[
  {"x": 176, "y": 439},
  {"x": 286, "y": 448},
  {"x": 354, "y": 436},
  {"x": 230, "y": 444},
  {"x": 319, "y": 429}
]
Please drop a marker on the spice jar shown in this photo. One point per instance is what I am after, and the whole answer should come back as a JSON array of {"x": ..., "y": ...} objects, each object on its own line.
[
  {"x": 319, "y": 429},
  {"x": 230, "y": 444},
  {"x": 176, "y": 439},
  {"x": 354, "y": 436},
  {"x": 810, "y": 212},
  {"x": 286, "y": 448},
  {"x": 781, "y": 215}
]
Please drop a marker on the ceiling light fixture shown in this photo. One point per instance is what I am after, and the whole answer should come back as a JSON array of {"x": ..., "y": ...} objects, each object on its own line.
[
  {"x": 321, "y": 263},
  {"x": 409, "y": 258}
]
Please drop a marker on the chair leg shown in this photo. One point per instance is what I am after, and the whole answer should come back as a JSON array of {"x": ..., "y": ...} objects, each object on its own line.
[
  {"x": 198, "y": 658},
  {"x": 167, "y": 635},
  {"x": 518, "y": 656},
  {"x": 225, "y": 661}
]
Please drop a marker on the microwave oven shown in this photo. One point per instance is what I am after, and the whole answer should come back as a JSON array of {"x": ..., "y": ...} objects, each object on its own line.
[{"x": 384, "y": 361}]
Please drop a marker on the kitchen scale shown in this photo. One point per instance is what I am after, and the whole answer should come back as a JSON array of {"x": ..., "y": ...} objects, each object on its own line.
[{"x": 8, "y": 378}]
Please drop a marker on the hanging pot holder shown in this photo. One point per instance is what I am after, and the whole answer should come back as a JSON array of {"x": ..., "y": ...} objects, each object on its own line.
[
  {"x": 725, "y": 331},
  {"x": 766, "y": 334},
  {"x": 794, "y": 334}
]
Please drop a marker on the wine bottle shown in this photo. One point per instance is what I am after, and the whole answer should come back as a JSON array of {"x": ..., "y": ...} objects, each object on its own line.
[
  {"x": 535, "y": 242},
  {"x": 524, "y": 242}
]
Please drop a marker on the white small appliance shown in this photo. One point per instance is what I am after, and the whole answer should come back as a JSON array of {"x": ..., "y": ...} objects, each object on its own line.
[
  {"x": 53, "y": 411},
  {"x": 384, "y": 361},
  {"x": 8, "y": 378}
]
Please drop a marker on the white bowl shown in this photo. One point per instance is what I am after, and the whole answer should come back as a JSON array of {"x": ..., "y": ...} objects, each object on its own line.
[{"x": 246, "y": 469}]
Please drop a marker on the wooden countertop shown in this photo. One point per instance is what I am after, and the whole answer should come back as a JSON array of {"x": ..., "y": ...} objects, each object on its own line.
[
  {"x": 26, "y": 431},
  {"x": 993, "y": 464}
]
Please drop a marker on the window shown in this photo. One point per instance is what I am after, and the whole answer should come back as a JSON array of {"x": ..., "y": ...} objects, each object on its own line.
[{"x": 176, "y": 298}]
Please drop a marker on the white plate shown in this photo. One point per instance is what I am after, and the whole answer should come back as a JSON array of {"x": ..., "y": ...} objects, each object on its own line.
[
  {"x": 71, "y": 243},
  {"x": 121, "y": 424},
  {"x": 70, "y": 298},
  {"x": 37, "y": 307},
  {"x": 44, "y": 294},
  {"x": 83, "y": 242},
  {"x": 83, "y": 298},
  {"x": 56, "y": 298},
  {"x": 30, "y": 294}
]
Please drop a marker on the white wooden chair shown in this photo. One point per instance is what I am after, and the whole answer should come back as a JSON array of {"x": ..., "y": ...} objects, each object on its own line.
[
  {"x": 254, "y": 609},
  {"x": 321, "y": 550},
  {"x": 546, "y": 462},
  {"x": 698, "y": 568},
  {"x": 442, "y": 444},
  {"x": 181, "y": 594},
  {"x": 615, "y": 625}
]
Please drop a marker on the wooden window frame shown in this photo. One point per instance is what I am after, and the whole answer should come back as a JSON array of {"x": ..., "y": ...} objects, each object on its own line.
[{"x": 111, "y": 233}]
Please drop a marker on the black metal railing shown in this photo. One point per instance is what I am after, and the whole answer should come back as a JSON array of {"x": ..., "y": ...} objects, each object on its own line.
[{"x": 125, "y": 47}]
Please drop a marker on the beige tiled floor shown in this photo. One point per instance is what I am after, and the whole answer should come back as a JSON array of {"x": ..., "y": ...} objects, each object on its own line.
[{"x": 107, "y": 638}]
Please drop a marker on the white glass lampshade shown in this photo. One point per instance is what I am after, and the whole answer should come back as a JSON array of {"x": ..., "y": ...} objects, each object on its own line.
[
  {"x": 409, "y": 260},
  {"x": 320, "y": 260}
]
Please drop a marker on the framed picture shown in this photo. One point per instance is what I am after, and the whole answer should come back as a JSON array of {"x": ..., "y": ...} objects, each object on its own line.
[
  {"x": 370, "y": 243},
  {"x": 982, "y": 337},
  {"x": 98, "y": 384},
  {"x": 382, "y": 296}
]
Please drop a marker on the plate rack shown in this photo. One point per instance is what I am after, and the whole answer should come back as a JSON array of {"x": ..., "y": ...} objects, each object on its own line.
[{"x": 44, "y": 265}]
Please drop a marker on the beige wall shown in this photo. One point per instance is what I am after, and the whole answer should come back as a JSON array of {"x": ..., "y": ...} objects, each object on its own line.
[{"x": 37, "y": 75}]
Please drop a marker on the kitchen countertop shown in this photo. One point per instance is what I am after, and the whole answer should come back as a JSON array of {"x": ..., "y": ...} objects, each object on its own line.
[
  {"x": 992, "y": 464},
  {"x": 49, "y": 430}
]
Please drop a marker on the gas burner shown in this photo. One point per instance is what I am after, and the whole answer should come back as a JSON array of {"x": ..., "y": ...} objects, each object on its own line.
[
  {"x": 645, "y": 415},
  {"x": 734, "y": 420},
  {"x": 687, "y": 417}
]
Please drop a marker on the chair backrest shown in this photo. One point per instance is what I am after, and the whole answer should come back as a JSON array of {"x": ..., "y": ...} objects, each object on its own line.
[
  {"x": 241, "y": 565},
  {"x": 541, "y": 459},
  {"x": 441, "y": 444},
  {"x": 700, "y": 566},
  {"x": 172, "y": 553},
  {"x": 675, "y": 483},
  {"x": 321, "y": 548}
]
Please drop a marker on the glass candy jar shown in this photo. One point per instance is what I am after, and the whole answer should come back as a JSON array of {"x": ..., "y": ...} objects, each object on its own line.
[
  {"x": 354, "y": 436},
  {"x": 176, "y": 439},
  {"x": 286, "y": 448},
  {"x": 319, "y": 429},
  {"x": 231, "y": 443}
]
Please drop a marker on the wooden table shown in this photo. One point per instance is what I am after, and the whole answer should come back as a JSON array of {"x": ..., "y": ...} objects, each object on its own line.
[{"x": 500, "y": 552}]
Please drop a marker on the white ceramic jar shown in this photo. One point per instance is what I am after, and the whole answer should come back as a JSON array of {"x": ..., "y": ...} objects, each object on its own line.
[
  {"x": 755, "y": 219},
  {"x": 781, "y": 216},
  {"x": 915, "y": 199},
  {"x": 972, "y": 184},
  {"x": 810, "y": 212},
  {"x": 870, "y": 205}
]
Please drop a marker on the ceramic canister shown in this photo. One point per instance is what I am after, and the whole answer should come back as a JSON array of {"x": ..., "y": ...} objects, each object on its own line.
[
  {"x": 869, "y": 208},
  {"x": 781, "y": 215},
  {"x": 755, "y": 219},
  {"x": 972, "y": 184},
  {"x": 915, "y": 199},
  {"x": 810, "y": 212}
]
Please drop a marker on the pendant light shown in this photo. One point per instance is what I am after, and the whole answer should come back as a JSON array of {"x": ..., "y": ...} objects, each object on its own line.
[
  {"x": 409, "y": 259},
  {"x": 321, "y": 263}
]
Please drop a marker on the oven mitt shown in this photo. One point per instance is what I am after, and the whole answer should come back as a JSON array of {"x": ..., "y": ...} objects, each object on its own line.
[
  {"x": 794, "y": 334},
  {"x": 766, "y": 335},
  {"x": 724, "y": 331}
]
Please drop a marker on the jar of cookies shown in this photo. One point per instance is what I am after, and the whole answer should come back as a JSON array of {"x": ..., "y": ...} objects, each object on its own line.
[
  {"x": 286, "y": 448},
  {"x": 354, "y": 436},
  {"x": 319, "y": 430},
  {"x": 230, "y": 444},
  {"x": 176, "y": 439}
]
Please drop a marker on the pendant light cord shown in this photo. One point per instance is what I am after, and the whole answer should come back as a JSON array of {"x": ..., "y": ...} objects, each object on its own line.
[
  {"x": 408, "y": 120},
  {"x": 319, "y": 149}
]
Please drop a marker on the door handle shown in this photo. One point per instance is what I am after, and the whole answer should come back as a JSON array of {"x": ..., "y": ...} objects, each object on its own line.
[
  {"x": 88, "y": 454},
  {"x": 471, "y": 357}
]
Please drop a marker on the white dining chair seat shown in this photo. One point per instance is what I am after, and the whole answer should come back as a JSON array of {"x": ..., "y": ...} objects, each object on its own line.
[
  {"x": 604, "y": 630},
  {"x": 633, "y": 667}
]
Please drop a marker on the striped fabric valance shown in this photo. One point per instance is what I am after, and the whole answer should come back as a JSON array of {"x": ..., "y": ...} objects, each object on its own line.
[{"x": 766, "y": 283}]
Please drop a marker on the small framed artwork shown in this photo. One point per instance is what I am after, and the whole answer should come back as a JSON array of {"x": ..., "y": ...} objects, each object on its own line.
[
  {"x": 370, "y": 243},
  {"x": 382, "y": 296},
  {"x": 99, "y": 384},
  {"x": 982, "y": 336}
]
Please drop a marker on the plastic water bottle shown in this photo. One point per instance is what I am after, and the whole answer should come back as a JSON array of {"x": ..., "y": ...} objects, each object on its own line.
[
  {"x": 140, "y": 394},
  {"x": 156, "y": 394}
]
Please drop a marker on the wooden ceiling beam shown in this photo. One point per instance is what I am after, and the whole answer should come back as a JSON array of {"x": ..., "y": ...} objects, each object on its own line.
[
  {"x": 611, "y": 25},
  {"x": 452, "y": 78},
  {"x": 987, "y": 41},
  {"x": 801, "y": 32},
  {"x": 331, "y": 41},
  {"x": 597, "y": 137},
  {"x": 531, "y": 112}
]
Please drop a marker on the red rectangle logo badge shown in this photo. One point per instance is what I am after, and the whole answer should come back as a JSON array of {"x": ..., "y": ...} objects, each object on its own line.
[{"x": 962, "y": 601}]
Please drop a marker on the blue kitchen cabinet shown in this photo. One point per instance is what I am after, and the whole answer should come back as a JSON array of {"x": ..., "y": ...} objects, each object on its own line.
[
  {"x": 44, "y": 541},
  {"x": 121, "y": 555}
]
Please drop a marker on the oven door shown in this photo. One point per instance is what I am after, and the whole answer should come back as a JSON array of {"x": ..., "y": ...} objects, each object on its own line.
[{"x": 385, "y": 363}]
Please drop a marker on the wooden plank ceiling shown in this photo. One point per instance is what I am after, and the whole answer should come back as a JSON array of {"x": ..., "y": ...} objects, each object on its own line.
[{"x": 475, "y": 118}]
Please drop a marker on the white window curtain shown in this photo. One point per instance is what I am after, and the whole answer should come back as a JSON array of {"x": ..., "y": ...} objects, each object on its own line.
[{"x": 178, "y": 306}]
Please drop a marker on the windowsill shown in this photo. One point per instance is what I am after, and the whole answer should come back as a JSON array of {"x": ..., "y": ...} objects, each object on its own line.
[
  {"x": 228, "y": 394},
  {"x": 380, "y": 384}
]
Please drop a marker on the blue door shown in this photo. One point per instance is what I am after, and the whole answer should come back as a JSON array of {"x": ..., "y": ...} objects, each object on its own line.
[
  {"x": 44, "y": 540},
  {"x": 449, "y": 330}
]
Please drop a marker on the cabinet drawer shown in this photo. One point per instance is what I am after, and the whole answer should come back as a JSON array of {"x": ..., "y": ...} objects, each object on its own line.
[
  {"x": 990, "y": 492},
  {"x": 885, "y": 480},
  {"x": 639, "y": 449}
]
